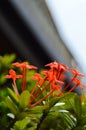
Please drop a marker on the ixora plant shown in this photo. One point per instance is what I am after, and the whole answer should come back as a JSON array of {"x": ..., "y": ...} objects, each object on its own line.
[{"x": 39, "y": 100}]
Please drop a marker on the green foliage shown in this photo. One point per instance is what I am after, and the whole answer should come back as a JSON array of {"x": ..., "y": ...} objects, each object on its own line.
[
  {"x": 5, "y": 64},
  {"x": 24, "y": 99},
  {"x": 21, "y": 124},
  {"x": 64, "y": 112},
  {"x": 30, "y": 82},
  {"x": 13, "y": 95},
  {"x": 58, "y": 113}
]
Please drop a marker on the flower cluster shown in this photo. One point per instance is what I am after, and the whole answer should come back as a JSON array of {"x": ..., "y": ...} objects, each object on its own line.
[{"x": 51, "y": 79}]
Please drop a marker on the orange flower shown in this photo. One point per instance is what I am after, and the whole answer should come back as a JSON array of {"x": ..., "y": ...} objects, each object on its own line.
[
  {"x": 78, "y": 84},
  {"x": 12, "y": 75},
  {"x": 40, "y": 81},
  {"x": 49, "y": 74},
  {"x": 53, "y": 65},
  {"x": 74, "y": 71},
  {"x": 38, "y": 77},
  {"x": 61, "y": 69},
  {"x": 58, "y": 66},
  {"x": 24, "y": 66},
  {"x": 54, "y": 86},
  {"x": 56, "y": 69}
]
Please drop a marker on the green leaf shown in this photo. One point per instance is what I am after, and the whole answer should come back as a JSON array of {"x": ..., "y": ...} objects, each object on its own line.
[
  {"x": 3, "y": 106},
  {"x": 13, "y": 95},
  {"x": 62, "y": 109},
  {"x": 48, "y": 121},
  {"x": 83, "y": 121},
  {"x": 58, "y": 121},
  {"x": 24, "y": 99},
  {"x": 58, "y": 106},
  {"x": 72, "y": 104},
  {"x": 13, "y": 108},
  {"x": 84, "y": 104},
  {"x": 79, "y": 128},
  {"x": 77, "y": 107},
  {"x": 38, "y": 109},
  {"x": 53, "y": 101},
  {"x": 69, "y": 120},
  {"x": 22, "y": 115},
  {"x": 8, "y": 59},
  {"x": 2, "y": 79},
  {"x": 32, "y": 128},
  {"x": 21, "y": 124},
  {"x": 63, "y": 98}
]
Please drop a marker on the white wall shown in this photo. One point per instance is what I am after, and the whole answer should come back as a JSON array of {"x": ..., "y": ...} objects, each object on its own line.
[{"x": 70, "y": 19}]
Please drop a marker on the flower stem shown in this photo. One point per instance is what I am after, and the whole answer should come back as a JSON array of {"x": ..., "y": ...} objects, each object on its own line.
[
  {"x": 34, "y": 88},
  {"x": 69, "y": 83},
  {"x": 15, "y": 88},
  {"x": 74, "y": 87},
  {"x": 38, "y": 93},
  {"x": 24, "y": 79},
  {"x": 42, "y": 99}
]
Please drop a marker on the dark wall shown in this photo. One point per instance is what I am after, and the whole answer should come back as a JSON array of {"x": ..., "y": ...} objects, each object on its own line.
[{"x": 16, "y": 37}]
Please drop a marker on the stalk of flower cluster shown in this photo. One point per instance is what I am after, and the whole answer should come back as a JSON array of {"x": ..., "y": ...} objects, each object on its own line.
[
  {"x": 74, "y": 87},
  {"x": 12, "y": 75},
  {"x": 23, "y": 79},
  {"x": 15, "y": 88},
  {"x": 69, "y": 83},
  {"x": 33, "y": 96},
  {"x": 42, "y": 99},
  {"x": 78, "y": 83},
  {"x": 38, "y": 93},
  {"x": 34, "y": 89},
  {"x": 35, "y": 93},
  {"x": 24, "y": 66}
]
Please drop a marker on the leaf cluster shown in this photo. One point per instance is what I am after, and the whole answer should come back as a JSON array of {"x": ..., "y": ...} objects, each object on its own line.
[{"x": 65, "y": 112}]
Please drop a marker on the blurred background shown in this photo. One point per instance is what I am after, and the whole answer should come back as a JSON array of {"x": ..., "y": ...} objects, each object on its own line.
[{"x": 42, "y": 31}]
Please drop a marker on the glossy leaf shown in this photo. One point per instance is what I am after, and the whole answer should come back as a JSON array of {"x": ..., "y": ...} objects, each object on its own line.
[
  {"x": 77, "y": 107},
  {"x": 24, "y": 99},
  {"x": 21, "y": 124},
  {"x": 13, "y": 95},
  {"x": 57, "y": 120},
  {"x": 22, "y": 115},
  {"x": 8, "y": 59},
  {"x": 32, "y": 128},
  {"x": 79, "y": 128},
  {"x": 13, "y": 108},
  {"x": 38, "y": 109},
  {"x": 82, "y": 121}
]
